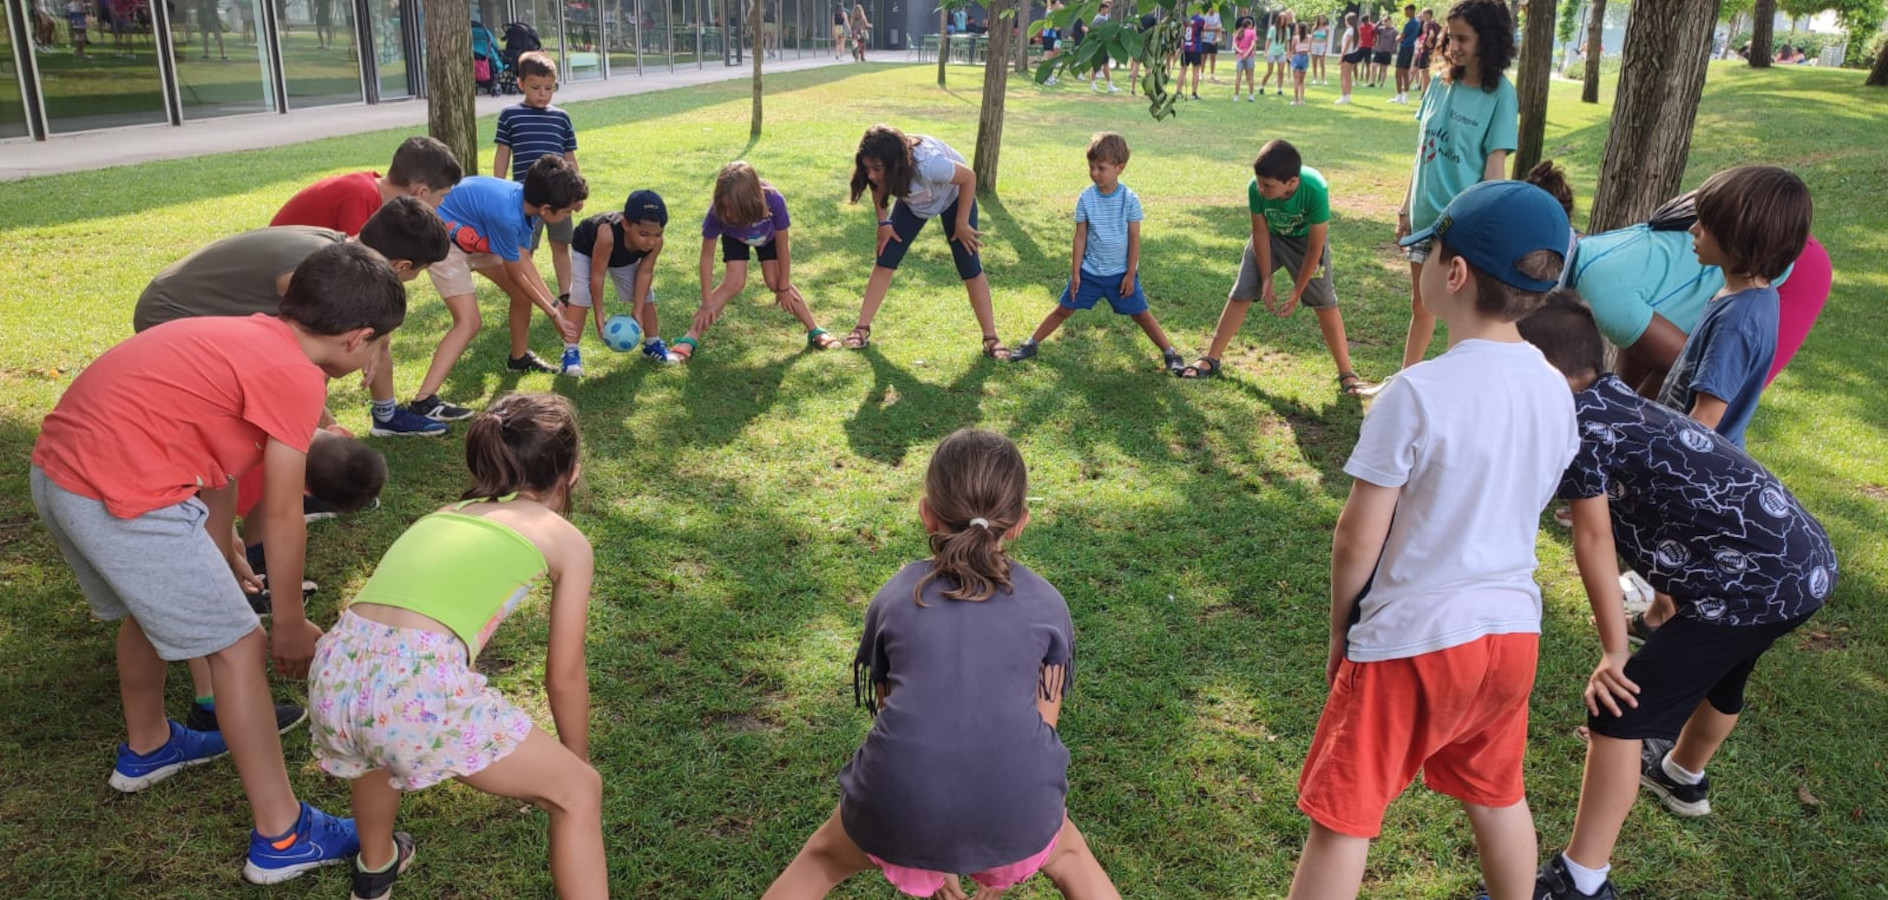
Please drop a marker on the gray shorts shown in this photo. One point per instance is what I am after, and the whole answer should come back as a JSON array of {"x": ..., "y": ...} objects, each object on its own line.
[
  {"x": 1288, "y": 254},
  {"x": 160, "y": 568},
  {"x": 624, "y": 277},
  {"x": 561, "y": 232}
]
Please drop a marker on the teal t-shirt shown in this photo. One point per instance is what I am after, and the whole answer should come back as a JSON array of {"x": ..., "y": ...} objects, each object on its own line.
[
  {"x": 1293, "y": 216},
  {"x": 1629, "y": 274},
  {"x": 1458, "y": 127}
]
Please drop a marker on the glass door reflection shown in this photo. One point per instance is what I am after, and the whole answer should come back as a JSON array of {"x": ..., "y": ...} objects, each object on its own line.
[
  {"x": 319, "y": 52},
  {"x": 387, "y": 30},
  {"x": 221, "y": 70}
]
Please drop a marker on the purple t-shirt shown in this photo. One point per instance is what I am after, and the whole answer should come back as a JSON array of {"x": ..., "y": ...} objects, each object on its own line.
[{"x": 757, "y": 234}]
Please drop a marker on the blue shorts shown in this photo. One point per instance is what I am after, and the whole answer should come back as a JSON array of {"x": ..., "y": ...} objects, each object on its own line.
[{"x": 1095, "y": 287}]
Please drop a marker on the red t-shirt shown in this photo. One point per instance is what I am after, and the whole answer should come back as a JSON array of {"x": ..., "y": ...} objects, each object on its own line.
[
  {"x": 1366, "y": 35},
  {"x": 342, "y": 203},
  {"x": 186, "y": 405}
]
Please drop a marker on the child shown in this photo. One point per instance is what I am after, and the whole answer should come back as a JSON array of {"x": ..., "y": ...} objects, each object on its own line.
[
  {"x": 422, "y": 168},
  {"x": 1426, "y": 46},
  {"x": 1747, "y": 568},
  {"x": 529, "y": 131},
  {"x": 1245, "y": 43},
  {"x": 1320, "y": 48},
  {"x": 747, "y": 218},
  {"x": 1466, "y": 131},
  {"x": 132, "y": 476},
  {"x": 1104, "y": 66},
  {"x": 1209, "y": 42},
  {"x": 1752, "y": 222},
  {"x": 75, "y": 22},
  {"x": 1106, "y": 261},
  {"x": 397, "y": 705},
  {"x": 1300, "y": 63},
  {"x": 1350, "y": 53},
  {"x": 1384, "y": 50},
  {"x": 624, "y": 247},
  {"x": 491, "y": 221},
  {"x": 963, "y": 652},
  {"x": 927, "y": 179},
  {"x": 1191, "y": 57},
  {"x": 1278, "y": 38},
  {"x": 1435, "y": 616},
  {"x": 1406, "y": 52},
  {"x": 1366, "y": 42},
  {"x": 249, "y": 273},
  {"x": 1291, "y": 224}
]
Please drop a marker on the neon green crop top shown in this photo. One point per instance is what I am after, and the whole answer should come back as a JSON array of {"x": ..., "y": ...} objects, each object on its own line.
[{"x": 465, "y": 572}]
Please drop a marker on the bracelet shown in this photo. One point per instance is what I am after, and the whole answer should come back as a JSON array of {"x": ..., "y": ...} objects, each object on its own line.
[{"x": 884, "y": 223}]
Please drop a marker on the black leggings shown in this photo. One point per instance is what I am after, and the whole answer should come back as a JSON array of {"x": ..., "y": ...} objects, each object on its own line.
[{"x": 906, "y": 225}]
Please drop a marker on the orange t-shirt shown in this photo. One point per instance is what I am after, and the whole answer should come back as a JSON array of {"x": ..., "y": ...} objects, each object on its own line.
[{"x": 187, "y": 405}]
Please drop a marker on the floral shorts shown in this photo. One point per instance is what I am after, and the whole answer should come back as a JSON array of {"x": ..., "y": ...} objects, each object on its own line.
[
  {"x": 925, "y": 883},
  {"x": 404, "y": 700}
]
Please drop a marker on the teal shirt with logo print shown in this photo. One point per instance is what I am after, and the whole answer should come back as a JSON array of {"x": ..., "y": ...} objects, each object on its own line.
[
  {"x": 1458, "y": 128},
  {"x": 1293, "y": 216}
]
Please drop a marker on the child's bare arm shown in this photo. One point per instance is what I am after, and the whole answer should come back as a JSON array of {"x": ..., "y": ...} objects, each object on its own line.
[
  {"x": 707, "y": 268},
  {"x": 1598, "y": 560},
  {"x": 1495, "y": 167},
  {"x": 1134, "y": 258},
  {"x": 284, "y": 478},
  {"x": 501, "y": 162},
  {"x": 1708, "y": 410},
  {"x": 1049, "y": 699},
  {"x": 570, "y": 156},
  {"x": 783, "y": 262},
  {"x": 566, "y": 678},
  {"x": 1314, "y": 252},
  {"x": 1075, "y": 257},
  {"x": 221, "y": 503},
  {"x": 645, "y": 282},
  {"x": 600, "y": 270},
  {"x": 1356, "y": 547}
]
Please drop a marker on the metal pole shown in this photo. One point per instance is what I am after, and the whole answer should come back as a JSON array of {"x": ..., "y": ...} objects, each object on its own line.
[{"x": 27, "y": 72}]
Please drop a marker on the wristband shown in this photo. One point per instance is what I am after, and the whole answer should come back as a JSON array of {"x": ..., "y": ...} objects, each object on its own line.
[{"x": 884, "y": 223}]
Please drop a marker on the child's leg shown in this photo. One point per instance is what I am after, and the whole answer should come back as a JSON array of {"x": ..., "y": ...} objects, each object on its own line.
[
  {"x": 465, "y": 325},
  {"x": 1151, "y": 326},
  {"x": 1331, "y": 325},
  {"x": 733, "y": 281},
  {"x": 575, "y": 315},
  {"x": 246, "y": 714},
  {"x": 560, "y": 265},
  {"x": 141, "y": 676},
  {"x": 1332, "y": 866},
  {"x": 548, "y": 775},
  {"x": 792, "y": 302},
  {"x": 876, "y": 287},
  {"x": 1607, "y": 791},
  {"x": 828, "y": 858},
  {"x": 380, "y": 373},
  {"x": 979, "y": 290},
  {"x": 1704, "y": 733},
  {"x": 1074, "y": 869},
  {"x": 376, "y": 805},
  {"x": 201, "y": 683},
  {"x": 1422, "y": 325},
  {"x": 1051, "y": 322},
  {"x": 518, "y": 312},
  {"x": 1509, "y": 849}
]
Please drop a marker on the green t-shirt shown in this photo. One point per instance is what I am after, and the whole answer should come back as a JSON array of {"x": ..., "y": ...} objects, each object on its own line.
[
  {"x": 235, "y": 276},
  {"x": 1293, "y": 216},
  {"x": 1458, "y": 128}
]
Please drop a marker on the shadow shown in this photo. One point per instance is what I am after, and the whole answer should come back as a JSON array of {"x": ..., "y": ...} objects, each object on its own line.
[{"x": 901, "y": 410}]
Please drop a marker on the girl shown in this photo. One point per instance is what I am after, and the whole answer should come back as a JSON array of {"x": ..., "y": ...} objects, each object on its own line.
[
  {"x": 1350, "y": 53},
  {"x": 1278, "y": 37},
  {"x": 1320, "y": 47},
  {"x": 839, "y": 31},
  {"x": 1450, "y": 154},
  {"x": 1245, "y": 44},
  {"x": 861, "y": 29},
  {"x": 1300, "y": 63},
  {"x": 927, "y": 179},
  {"x": 395, "y": 703},
  {"x": 963, "y": 652},
  {"x": 747, "y": 218}
]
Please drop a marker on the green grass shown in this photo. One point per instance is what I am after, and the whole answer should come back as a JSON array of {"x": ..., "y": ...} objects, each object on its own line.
[{"x": 745, "y": 507}]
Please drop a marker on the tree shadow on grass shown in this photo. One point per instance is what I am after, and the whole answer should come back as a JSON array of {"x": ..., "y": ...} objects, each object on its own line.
[{"x": 902, "y": 409}]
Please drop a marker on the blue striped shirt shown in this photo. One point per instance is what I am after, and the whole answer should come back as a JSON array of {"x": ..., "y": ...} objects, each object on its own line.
[
  {"x": 1107, "y": 216},
  {"x": 532, "y": 132}
]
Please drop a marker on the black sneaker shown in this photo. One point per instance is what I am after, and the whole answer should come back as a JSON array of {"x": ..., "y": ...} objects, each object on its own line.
[
  {"x": 529, "y": 362},
  {"x": 440, "y": 411},
  {"x": 263, "y": 602},
  {"x": 1689, "y": 800},
  {"x": 287, "y": 715},
  {"x": 379, "y": 885},
  {"x": 1172, "y": 359},
  {"x": 1024, "y": 350},
  {"x": 1555, "y": 883}
]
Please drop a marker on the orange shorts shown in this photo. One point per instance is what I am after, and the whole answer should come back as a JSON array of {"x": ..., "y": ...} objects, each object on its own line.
[{"x": 1459, "y": 716}]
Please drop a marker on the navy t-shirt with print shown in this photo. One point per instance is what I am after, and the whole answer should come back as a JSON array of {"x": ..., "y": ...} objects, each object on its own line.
[
  {"x": 1695, "y": 514},
  {"x": 1728, "y": 356}
]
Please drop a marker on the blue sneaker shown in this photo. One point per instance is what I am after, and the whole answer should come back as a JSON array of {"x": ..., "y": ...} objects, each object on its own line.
[
  {"x": 407, "y": 423},
  {"x": 657, "y": 351},
  {"x": 135, "y": 772},
  {"x": 572, "y": 363},
  {"x": 317, "y": 840}
]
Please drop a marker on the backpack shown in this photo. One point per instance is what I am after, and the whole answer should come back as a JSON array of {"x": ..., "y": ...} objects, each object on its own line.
[
  {"x": 1676, "y": 214},
  {"x": 520, "y": 37}
]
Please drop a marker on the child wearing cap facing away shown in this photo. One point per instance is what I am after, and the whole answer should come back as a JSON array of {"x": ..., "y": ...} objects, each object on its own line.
[
  {"x": 1746, "y": 566},
  {"x": 622, "y": 246},
  {"x": 1435, "y": 616},
  {"x": 1106, "y": 260}
]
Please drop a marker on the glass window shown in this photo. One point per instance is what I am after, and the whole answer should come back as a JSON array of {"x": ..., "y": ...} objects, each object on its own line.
[
  {"x": 220, "y": 69},
  {"x": 320, "y": 63},
  {"x": 584, "y": 39},
  {"x": 387, "y": 30},
  {"x": 109, "y": 76},
  {"x": 49, "y": 33}
]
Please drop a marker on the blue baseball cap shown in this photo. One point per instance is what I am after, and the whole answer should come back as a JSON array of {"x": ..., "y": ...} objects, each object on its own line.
[
  {"x": 647, "y": 206},
  {"x": 1495, "y": 223}
]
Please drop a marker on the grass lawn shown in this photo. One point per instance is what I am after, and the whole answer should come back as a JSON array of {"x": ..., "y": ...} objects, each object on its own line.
[{"x": 745, "y": 507}]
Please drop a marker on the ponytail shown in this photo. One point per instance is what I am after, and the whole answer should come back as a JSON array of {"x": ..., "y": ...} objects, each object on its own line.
[
  {"x": 975, "y": 487},
  {"x": 523, "y": 442}
]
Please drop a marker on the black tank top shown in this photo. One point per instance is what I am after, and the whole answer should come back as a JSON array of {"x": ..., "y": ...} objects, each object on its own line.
[{"x": 621, "y": 254}]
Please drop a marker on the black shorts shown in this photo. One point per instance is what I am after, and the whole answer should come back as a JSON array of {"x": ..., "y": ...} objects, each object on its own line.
[
  {"x": 738, "y": 251},
  {"x": 1403, "y": 56},
  {"x": 1357, "y": 57},
  {"x": 1190, "y": 58},
  {"x": 1684, "y": 662},
  {"x": 1210, "y": 48},
  {"x": 1381, "y": 59},
  {"x": 1422, "y": 61},
  {"x": 906, "y": 225}
]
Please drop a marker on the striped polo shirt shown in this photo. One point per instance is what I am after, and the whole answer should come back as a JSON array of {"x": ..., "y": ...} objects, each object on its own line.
[
  {"x": 1107, "y": 216},
  {"x": 532, "y": 132}
]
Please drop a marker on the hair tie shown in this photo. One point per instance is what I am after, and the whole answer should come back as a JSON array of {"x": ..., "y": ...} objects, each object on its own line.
[{"x": 981, "y": 521}]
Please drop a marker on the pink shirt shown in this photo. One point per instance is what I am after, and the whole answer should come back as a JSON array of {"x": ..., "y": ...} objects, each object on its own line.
[
  {"x": 1800, "y": 301},
  {"x": 1244, "y": 41}
]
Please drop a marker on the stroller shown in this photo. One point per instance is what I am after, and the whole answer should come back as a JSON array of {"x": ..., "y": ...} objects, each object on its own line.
[
  {"x": 520, "y": 38},
  {"x": 488, "y": 63}
]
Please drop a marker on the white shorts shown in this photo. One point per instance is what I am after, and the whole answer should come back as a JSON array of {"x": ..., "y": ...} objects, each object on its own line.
[
  {"x": 624, "y": 277},
  {"x": 452, "y": 276}
]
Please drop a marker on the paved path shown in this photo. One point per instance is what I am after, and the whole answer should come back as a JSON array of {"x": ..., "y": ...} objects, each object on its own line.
[{"x": 144, "y": 143}]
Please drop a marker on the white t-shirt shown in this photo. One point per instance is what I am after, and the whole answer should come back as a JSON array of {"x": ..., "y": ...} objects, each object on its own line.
[
  {"x": 1477, "y": 439},
  {"x": 932, "y": 169},
  {"x": 1213, "y": 32}
]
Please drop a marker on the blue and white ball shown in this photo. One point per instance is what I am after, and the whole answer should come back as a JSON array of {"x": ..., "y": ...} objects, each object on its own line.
[{"x": 622, "y": 333}]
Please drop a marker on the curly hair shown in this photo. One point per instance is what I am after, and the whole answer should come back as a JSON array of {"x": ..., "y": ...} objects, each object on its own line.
[
  {"x": 1494, "y": 39},
  {"x": 891, "y": 149}
]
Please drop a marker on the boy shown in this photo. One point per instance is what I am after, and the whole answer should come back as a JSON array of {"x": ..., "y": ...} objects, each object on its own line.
[
  {"x": 491, "y": 222},
  {"x": 1406, "y": 52},
  {"x": 1192, "y": 50},
  {"x": 422, "y": 168},
  {"x": 622, "y": 246},
  {"x": 1291, "y": 226},
  {"x": 530, "y": 131},
  {"x": 1107, "y": 257},
  {"x": 133, "y": 477},
  {"x": 249, "y": 273},
  {"x": 1435, "y": 616},
  {"x": 1746, "y": 568}
]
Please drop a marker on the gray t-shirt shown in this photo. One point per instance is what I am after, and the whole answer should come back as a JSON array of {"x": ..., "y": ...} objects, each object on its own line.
[
  {"x": 235, "y": 276},
  {"x": 959, "y": 773},
  {"x": 932, "y": 190}
]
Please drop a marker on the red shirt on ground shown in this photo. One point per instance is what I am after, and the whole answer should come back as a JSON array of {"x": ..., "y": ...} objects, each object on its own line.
[
  {"x": 342, "y": 203},
  {"x": 186, "y": 405}
]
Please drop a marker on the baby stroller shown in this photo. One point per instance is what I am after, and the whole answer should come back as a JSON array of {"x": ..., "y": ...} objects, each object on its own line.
[
  {"x": 520, "y": 38},
  {"x": 488, "y": 63}
]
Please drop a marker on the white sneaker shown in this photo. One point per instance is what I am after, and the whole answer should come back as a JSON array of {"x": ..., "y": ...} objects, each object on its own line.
[
  {"x": 1052, "y": 80},
  {"x": 1115, "y": 90},
  {"x": 1342, "y": 100},
  {"x": 1095, "y": 86}
]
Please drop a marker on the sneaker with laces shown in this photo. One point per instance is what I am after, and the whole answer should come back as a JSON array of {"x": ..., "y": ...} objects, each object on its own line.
[
  {"x": 657, "y": 351},
  {"x": 530, "y": 362},
  {"x": 379, "y": 885},
  {"x": 317, "y": 840},
  {"x": 136, "y": 771},
  {"x": 440, "y": 411},
  {"x": 1024, "y": 350},
  {"x": 407, "y": 423},
  {"x": 1690, "y": 800},
  {"x": 1554, "y": 882},
  {"x": 203, "y": 718},
  {"x": 572, "y": 363}
]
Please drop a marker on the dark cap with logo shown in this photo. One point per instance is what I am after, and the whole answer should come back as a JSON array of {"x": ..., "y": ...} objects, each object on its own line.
[{"x": 646, "y": 206}]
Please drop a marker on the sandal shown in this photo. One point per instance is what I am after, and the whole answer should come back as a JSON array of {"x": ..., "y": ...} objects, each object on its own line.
[
  {"x": 1351, "y": 385},
  {"x": 820, "y": 339},
  {"x": 993, "y": 347},
  {"x": 684, "y": 349},
  {"x": 1638, "y": 630},
  {"x": 860, "y": 338},
  {"x": 1204, "y": 367}
]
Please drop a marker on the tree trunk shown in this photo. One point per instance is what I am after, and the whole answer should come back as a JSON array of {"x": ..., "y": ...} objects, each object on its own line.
[
  {"x": 996, "y": 82},
  {"x": 1763, "y": 21},
  {"x": 451, "y": 114},
  {"x": 756, "y": 20},
  {"x": 1020, "y": 36},
  {"x": 1732, "y": 27},
  {"x": 1661, "y": 77},
  {"x": 1878, "y": 76},
  {"x": 1537, "y": 68},
  {"x": 1595, "y": 48},
  {"x": 943, "y": 43}
]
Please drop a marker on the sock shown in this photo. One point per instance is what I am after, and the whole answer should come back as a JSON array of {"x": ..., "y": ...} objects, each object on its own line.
[
  {"x": 568, "y": 345},
  {"x": 288, "y": 838},
  {"x": 207, "y": 702},
  {"x": 383, "y": 409},
  {"x": 1585, "y": 880},
  {"x": 1678, "y": 773},
  {"x": 392, "y": 861}
]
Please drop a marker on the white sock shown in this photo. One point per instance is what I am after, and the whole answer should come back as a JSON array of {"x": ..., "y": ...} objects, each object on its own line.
[
  {"x": 1585, "y": 880},
  {"x": 1679, "y": 773},
  {"x": 569, "y": 346}
]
